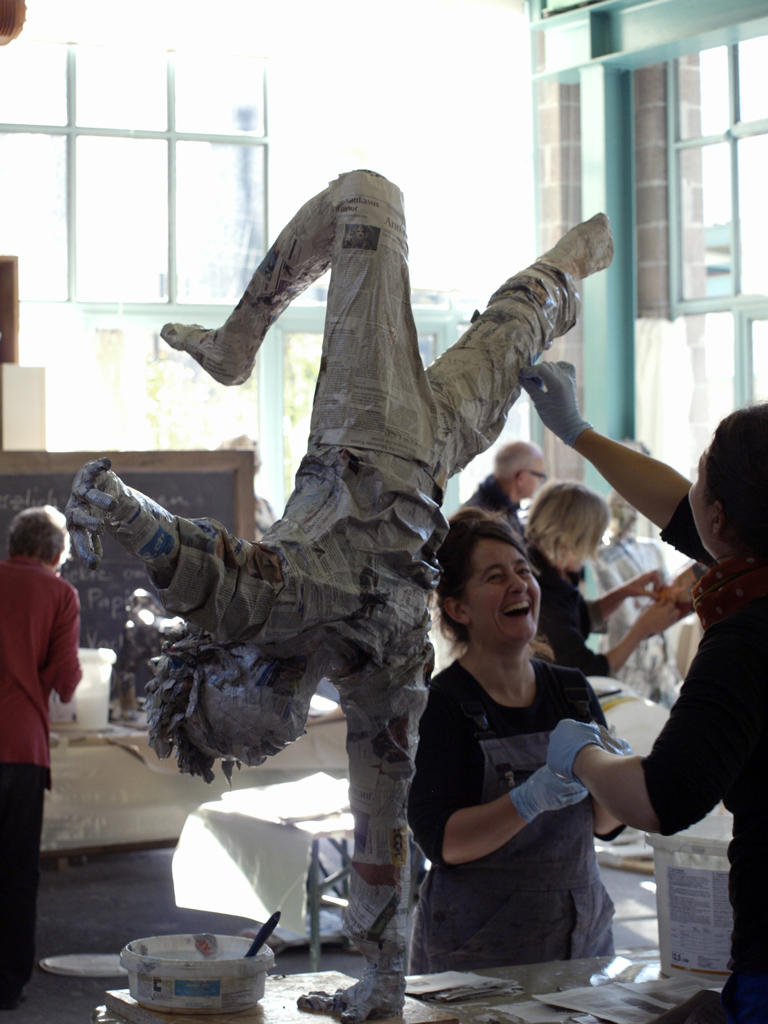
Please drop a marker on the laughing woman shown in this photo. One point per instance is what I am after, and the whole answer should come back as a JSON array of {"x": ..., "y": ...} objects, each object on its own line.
[{"x": 513, "y": 875}]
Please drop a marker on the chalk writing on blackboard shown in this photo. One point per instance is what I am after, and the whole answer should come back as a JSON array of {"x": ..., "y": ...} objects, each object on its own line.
[{"x": 193, "y": 484}]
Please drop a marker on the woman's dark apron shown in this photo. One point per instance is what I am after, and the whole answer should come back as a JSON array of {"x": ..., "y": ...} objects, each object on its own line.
[{"x": 538, "y": 898}]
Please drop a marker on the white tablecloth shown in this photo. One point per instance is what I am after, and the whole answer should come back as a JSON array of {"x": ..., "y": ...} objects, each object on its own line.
[
  {"x": 110, "y": 788},
  {"x": 247, "y": 854}
]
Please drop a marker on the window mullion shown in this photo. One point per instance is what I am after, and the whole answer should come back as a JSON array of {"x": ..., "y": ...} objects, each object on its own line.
[
  {"x": 71, "y": 215},
  {"x": 733, "y": 84},
  {"x": 742, "y": 370},
  {"x": 674, "y": 204},
  {"x": 171, "y": 184}
]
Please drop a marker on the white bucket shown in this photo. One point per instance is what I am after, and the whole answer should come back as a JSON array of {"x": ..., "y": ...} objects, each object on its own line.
[
  {"x": 694, "y": 913},
  {"x": 92, "y": 694},
  {"x": 196, "y": 973}
]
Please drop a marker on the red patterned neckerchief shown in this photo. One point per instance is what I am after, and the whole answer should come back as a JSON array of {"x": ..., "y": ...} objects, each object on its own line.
[{"x": 728, "y": 586}]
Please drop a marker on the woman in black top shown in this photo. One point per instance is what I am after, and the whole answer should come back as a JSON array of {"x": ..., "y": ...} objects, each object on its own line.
[
  {"x": 566, "y": 522},
  {"x": 715, "y": 744},
  {"x": 514, "y": 877}
]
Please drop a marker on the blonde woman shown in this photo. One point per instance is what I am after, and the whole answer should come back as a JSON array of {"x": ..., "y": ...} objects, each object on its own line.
[{"x": 566, "y": 522}]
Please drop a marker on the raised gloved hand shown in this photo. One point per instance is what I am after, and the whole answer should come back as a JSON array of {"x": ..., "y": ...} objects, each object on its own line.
[
  {"x": 551, "y": 387},
  {"x": 566, "y": 740},
  {"x": 100, "y": 500},
  {"x": 544, "y": 791}
]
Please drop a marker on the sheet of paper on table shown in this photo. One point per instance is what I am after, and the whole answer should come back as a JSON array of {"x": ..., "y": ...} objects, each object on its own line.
[
  {"x": 531, "y": 1012},
  {"x": 626, "y": 1002},
  {"x": 450, "y": 986},
  {"x": 318, "y": 798}
]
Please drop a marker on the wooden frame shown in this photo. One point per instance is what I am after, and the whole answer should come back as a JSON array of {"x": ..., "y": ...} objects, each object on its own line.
[
  {"x": 239, "y": 463},
  {"x": 9, "y": 309},
  {"x": 195, "y": 484}
]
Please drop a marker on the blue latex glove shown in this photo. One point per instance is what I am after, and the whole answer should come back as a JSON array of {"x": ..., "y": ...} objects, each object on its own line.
[
  {"x": 615, "y": 744},
  {"x": 543, "y": 791},
  {"x": 552, "y": 389},
  {"x": 566, "y": 740}
]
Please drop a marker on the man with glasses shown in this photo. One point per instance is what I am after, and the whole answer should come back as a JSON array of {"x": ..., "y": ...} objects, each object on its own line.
[{"x": 518, "y": 472}]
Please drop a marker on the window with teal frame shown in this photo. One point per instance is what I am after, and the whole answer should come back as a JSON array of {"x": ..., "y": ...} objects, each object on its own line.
[{"x": 718, "y": 145}]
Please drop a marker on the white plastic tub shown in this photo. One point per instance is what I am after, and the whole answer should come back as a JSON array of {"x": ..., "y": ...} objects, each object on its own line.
[
  {"x": 196, "y": 973},
  {"x": 92, "y": 694},
  {"x": 695, "y": 916}
]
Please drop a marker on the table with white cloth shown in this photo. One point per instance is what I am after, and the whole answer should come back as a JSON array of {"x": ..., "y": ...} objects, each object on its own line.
[
  {"x": 111, "y": 790},
  {"x": 251, "y": 852}
]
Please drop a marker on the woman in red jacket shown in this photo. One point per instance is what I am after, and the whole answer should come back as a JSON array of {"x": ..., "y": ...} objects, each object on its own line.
[{"x": 39, "y": 637}]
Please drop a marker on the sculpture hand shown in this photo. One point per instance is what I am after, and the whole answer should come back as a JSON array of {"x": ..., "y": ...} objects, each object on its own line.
[
  {"x": 91, "y": 500},
  {"x": 100, "y": 500}
]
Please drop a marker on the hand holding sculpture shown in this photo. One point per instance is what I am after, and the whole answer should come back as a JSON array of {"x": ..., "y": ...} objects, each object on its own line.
[{"x": 551, "y": 386}]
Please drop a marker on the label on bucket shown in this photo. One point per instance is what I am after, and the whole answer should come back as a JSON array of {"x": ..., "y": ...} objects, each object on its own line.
[
  {"x": 204, "y": 989},
  {"x": 700, "y": 919}
]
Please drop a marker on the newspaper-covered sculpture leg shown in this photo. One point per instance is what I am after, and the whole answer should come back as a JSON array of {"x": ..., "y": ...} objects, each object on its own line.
[{"x": 339, "y": 585}]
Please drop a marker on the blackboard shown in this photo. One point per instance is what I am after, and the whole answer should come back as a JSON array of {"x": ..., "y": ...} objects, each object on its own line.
[{"x": 216, "y": 484}]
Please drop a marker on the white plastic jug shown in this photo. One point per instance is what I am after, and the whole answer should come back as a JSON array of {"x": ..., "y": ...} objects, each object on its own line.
[{"x": 92, "y": 694}]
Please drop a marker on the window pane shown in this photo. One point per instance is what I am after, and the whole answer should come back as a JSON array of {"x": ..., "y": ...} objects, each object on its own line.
[
  {"x": 753, "y": 58},
  {"x": 703, "y": 93},
  {"x": 427, "y": 347},
  {"x": 143, "y": 394},
  {"x": 753, "y": 160},
  {"x": 186, "y": 408},
  {"x": 122, "y": 220},
  {"x": 222, "y": 94},
  {"x": 220, "y": 219},
  {"x": 711, "y": 342},
  {"x": 33, "y": 212},
  {"x": 121, "y": 89},
  {"x": 301, "y": 363},
  {"x": 33, "y": 84},
  {"x": 759, "y": 360},
  {"x": 705, "y": 192},
  {"x": 516, "y": 428}
]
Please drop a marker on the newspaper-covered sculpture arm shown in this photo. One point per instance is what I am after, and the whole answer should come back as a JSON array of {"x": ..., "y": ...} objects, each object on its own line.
[{"x": 339, "y": 585}]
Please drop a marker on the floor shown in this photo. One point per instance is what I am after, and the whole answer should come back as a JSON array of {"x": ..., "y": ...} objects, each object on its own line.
[{"x": 97, "y": 904}]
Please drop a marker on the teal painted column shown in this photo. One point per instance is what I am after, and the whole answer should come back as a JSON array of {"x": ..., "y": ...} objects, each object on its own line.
[{"x": 608, "y": 315}]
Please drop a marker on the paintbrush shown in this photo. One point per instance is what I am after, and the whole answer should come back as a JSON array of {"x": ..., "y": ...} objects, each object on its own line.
[{"x": 263, "y": 934}]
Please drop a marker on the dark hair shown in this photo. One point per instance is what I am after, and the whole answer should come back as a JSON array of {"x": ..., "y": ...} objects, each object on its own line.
[
  {"x": 736, "y": 475},
  {"x": 467, "y": 527},
  {"x": 39, "y": 532}
]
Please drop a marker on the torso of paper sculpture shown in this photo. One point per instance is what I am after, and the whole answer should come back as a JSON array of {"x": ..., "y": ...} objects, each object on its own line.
[{"x": 339, "y": 586}]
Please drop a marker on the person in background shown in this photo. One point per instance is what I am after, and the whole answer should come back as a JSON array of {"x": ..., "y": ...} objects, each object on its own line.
[
  {"x": 518, "y": 472},
  {"x": 39, "y": 637},
  {"x": 651, "y": 669},
  {"x": 566, "y": 523},
  {"x": 513, "y": 875},
  {"x": 263, "y": 514},
  {"x": 714, "y": 746}
]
